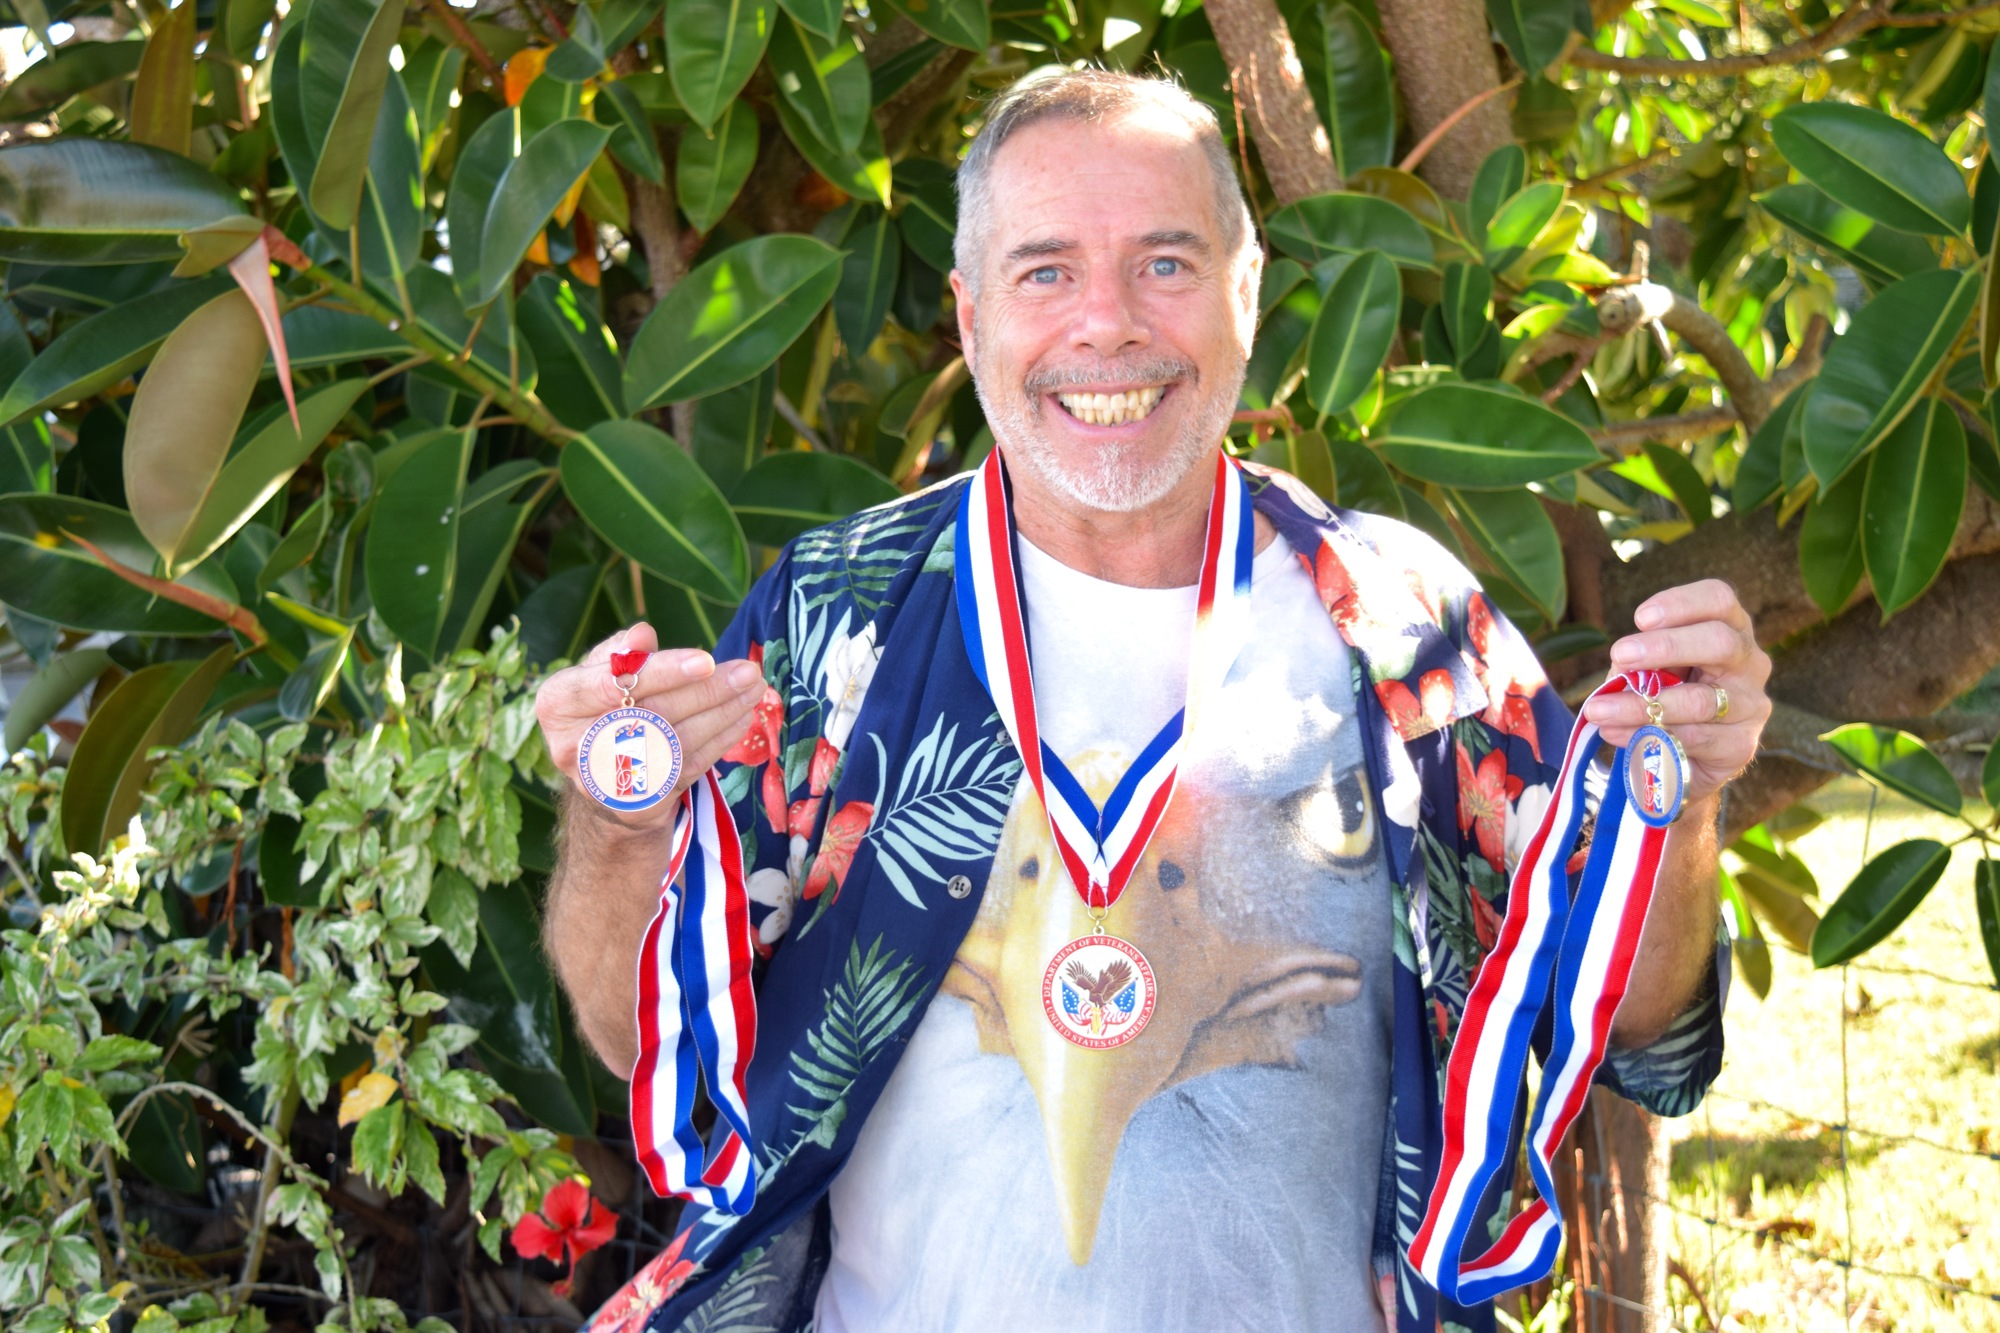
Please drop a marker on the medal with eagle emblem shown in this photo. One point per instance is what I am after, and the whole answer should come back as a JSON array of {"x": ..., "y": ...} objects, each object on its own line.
[
  {"x": 1098, "y": 992},
  {"x": 630, "y": 758}
]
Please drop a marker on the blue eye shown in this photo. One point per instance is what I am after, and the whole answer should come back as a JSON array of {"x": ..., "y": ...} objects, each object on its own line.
[
  {"x": 1166, "y": 268},
  {"x": 1044, "y": 276}
]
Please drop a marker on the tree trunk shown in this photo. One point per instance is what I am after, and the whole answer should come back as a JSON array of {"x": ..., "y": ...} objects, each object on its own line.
[
  {"x": 1271, "y": 90},
  {"x": 1611, "y": 1170},
  {"x": 1444, "y": 57}
]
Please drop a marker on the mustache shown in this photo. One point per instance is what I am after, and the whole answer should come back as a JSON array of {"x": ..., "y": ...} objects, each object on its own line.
[{"x": 1139, "y": 370}]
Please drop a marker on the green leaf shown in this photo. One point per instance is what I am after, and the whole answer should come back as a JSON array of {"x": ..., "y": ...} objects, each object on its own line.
[
  {"x": 474, "y": 178},
  {"x": 1758, "y": 475},
  {"x": 1533, "y": 30},
  {"x": 653, "y": 504},
  {"x": 1880, "y": 253},
  {"x": 97, "y": 352},
  {"x": 1353, "y": 332},
  {"x": 826, "y": 82},
  {"x": 794, "y": 492},
  {"x": 392, "y": 196},
  {"x": 1873, "y": 162},
  {"x": 867, "y": 277},
  {"x": 306, "y": 689},
  {"x": 155, "y": 705},
  {"x": 713, "y": 47},
  {"x": 730, "y": 318},
  {"x": 378, "y": 1139},
  {"x": 486, "y": 540},
  {"x": 183, "y": 418},
  {"x": 45, "y": 575},
  {"x": 1684, "y": 483},
  {"x": 412, "y": 539},
  {"x": 820, "y": 16},
  {"x": 1471, "y": 437},
  {"x": 1886, "y": 891},
  {"x": 96, "y": 201},
  {"x": 1349, "y": 224},
  {"x": 712, "y": 165},
  {"x": 1511, "y": 529},
  {"x": 1365, "y": 483},
  {"x": 280, "y": 858},
  {"x": 343, "y": 70},
  {"x": 731, "y": 428},
  {"x": 1361, "y": 105},
  {"x": 1910, "y": 507},
  {"x": 929, "y": 219},
  {"x": 528, "y": 192},
  {"x": 1830, "y": 560},
  {"x": 960, "y": 23},
  {"x": 49, "y": 691},
  {"x": 1501, "y": 176},
  {"x": 498, "y": 350},
  {"x": 864, "y": 173},
  {"x": 1875, "y": 370},
  {"x": 167, "y": 1145},
  {"x": 1989, "y": 313},
  {"x": 1899, "y": 761},
  {"x": 1306, "y": 456},
  {"x": 1986, "y": 896},
  {"x": 242, "y": 25},
  {"x": 1989, "y": 772},
  {"x": 581, "y": 380},
  {"x": 319, "y": 336},
  {"x": 1467, "y": 312},
  {"x": 1519, "y": 221},
  {"x": 62, "y": 74},
  {"x": 632, "y": 139},
  {"x": 163, "y": 95}
]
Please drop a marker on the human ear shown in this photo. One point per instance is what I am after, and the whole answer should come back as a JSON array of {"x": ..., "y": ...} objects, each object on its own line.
[
  {"x": 961, "y": 293},
  {"x": 1249, "y": 279}
]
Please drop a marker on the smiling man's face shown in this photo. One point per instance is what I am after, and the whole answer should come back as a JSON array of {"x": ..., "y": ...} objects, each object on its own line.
[{"x": 1111, "y": 326}]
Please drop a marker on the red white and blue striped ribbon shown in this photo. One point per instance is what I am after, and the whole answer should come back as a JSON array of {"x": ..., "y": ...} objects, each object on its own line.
[
  {"x": 1099, "y": 848},
  {"x": 697, "y": 1012},
  {"x": 1585, "y": 947}
]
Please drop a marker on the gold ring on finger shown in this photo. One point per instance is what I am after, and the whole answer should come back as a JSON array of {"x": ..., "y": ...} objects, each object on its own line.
[{"x": 1721, "y": 702}]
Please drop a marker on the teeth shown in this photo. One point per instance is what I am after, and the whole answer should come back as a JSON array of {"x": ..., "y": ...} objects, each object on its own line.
[{"x": 1112, "y": 409}]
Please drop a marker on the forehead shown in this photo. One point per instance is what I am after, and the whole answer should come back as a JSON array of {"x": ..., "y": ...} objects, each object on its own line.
[{"x": 1139, "y": 172}]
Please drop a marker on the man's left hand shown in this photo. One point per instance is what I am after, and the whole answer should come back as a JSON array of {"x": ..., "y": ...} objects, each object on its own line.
[{"x": 1702, "y": 634}]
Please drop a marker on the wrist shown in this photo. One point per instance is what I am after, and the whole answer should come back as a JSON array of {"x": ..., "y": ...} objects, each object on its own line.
[{"x": 602, "y": 825}]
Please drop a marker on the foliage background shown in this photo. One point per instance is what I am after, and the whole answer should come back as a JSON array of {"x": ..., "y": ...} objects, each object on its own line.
[{"x": 364, "y": 359}]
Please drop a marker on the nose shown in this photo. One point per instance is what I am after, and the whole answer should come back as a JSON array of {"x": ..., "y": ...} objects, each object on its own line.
[{"x": 1108, "y": 321}]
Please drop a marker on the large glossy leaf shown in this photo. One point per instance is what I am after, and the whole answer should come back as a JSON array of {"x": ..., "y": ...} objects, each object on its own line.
[
  {"x": 1886, "y": 891},
  {"x": 1348, "y": 224},
  {"x": 487, "y": 536},
  {"x": 64, "y": 73},
  {"x": 960, "y": 23},
  {"x": 1830, "y": 560},
  {"x": 474, "y": 177},
  {"x": 730, "y": 318},
  {"x": 1515, "y": 534},
  {"x": 1534, "y": 30},
  {"x": 308, "y": 687},
  {"x": 100, "y": 351},
  {"x": 1467, "y": 312},
  {"x": 1306, "y": 456},
  {"x": 731, "y": 427},
  {"x": 929, "y": 220},
  {"x": 48, "y": 576},
  {"x": 49, "y": 691},
  {"x": 184, "y": 416},
  {"x": 344, "y": 68},
  {"x": 820, "y": 16},
  {"x": 1989, "y": 311},
  {"x": 319, "y": 336},
  {"x": 96, "y": 201},
  {"x": 550, "y": 166},
  {"x": 792, "y": 492},
  {"x": 412, "y": 547},
  {"x": 392, "y": 196},
  {"x": 1519, "y": 220},
  {"x": 1353, "y": 331},
  {"x": 581, "y": 380},
  {"x": 1910, "y": 508},
  {"x": 260, "y": 464},
  {"x": 826, "y": 82},
  {"x": 1986, "y": 895},
  {"x": 713, "y": 164},
  {"x": 162, "y": 112},
  {"x": 1899, "y": 761},
  {"x": 1501, "y": 176},
  {"x": 1880, "y": 253},
  {"x": 1758, "y": 474},
  {"x": 867, "y": 277},
  {"x": 713, "y": 47},
  {"x": 1780, "y": 907},
  {"x": 155, "y": 705},
  {"x": 1471, "y": 437},
  {"x": 498, "y": 349},
  {"x": 1360, "y": 105},
  {"x": 242, "y": 26},
  {"x": 1873, "y": 162},
  {"x": 1874, "y": 371},
  {"x": 864, "y": 173},
  {"x": 632, "y": 139},
  {"x": 653, "y": 503}
]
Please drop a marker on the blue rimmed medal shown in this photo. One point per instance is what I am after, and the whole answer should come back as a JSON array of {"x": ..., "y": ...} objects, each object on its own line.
[
  {"x": 630, "y": 758},
  {"x": 1656, "y": 768}
]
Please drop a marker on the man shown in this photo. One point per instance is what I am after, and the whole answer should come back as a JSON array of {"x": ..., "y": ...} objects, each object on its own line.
[{"x": 953, "y": 1132}]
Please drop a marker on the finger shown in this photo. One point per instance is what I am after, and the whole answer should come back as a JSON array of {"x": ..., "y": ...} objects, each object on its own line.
[
  {"x": 1712, "y": 645},
  {"x": 1680, "y": 706},
  {"x": 713, "y": 734},
  {"x": 639, "y": 637},
  {"x": 733, "y": 682},
  {"x": 1708, "y": 599}
]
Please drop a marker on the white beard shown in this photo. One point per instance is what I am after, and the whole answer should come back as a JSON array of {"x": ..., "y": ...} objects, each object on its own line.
[{"x": 1114, "y": 478}]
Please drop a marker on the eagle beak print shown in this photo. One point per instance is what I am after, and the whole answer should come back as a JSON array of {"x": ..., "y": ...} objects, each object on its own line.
[{"x": 1232, "y": 989}]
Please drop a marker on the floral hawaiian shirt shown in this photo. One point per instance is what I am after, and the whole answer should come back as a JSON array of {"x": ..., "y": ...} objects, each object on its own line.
[{"x": 871, "y": 794}]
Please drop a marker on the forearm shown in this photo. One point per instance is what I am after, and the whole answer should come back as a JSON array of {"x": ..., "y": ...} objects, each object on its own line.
[
  {"x": 602, "y": 896},
  {"x": 1679, "y": 939}
]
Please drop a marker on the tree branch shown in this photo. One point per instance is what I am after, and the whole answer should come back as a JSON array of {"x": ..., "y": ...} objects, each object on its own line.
[
  {"x": 1855, "y": 22},
  {"x": 1444, "y": 55},
  {"x": 236, "y": 617},
  {"x": 1264, "y": 66},
  {"x": 1414, "y": 158}
]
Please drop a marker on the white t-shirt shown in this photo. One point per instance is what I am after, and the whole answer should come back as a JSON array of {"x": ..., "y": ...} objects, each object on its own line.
[{"x": 1219, "y": 1171}]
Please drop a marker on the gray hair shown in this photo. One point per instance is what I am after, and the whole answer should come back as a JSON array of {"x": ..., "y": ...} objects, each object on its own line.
[{"x": 1091, "y": 95}]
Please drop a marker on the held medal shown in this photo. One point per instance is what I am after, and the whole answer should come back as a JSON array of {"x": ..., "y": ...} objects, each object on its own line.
[
  {"x": 630, "y": 758},
  {"x": 1656, "y": 770},
  {"x": 1098, "y": 992}
]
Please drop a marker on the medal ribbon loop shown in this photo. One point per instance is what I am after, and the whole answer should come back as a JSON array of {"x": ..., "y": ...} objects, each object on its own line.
[
  {"x": 1100, "y": 848},
  {"x": 1584, "y": 950}
]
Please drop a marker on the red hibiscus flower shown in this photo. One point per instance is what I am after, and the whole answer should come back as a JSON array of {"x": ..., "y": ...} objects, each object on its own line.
[
  {"x": 1485, "y": 922},
  {"x": 1438, "y": 695},
  {"x": 837, "y": 847},
  {"x": 1509, "y": 673},
  {"x": 631, "y": 1309},
  {"x": 765, "y": 739},
  {"x": 1482, "y": 804},
  {"x": 776, "y": 807},
  {"x": 1517, "y": 718},
  {"x": 826, "y": 757},
  {"x": 804, "y": 814},
  {"x": 1401, "y": 705},
  {"x": 570, "y": 1225},
  {"x": 1442, "y": 1017}
]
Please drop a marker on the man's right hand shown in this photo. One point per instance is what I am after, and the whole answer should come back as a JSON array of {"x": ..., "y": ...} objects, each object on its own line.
[{"x": 709, "y": 706}]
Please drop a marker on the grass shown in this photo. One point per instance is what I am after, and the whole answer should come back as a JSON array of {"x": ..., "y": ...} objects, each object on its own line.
[{"x": 1764, "y": 1156}]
